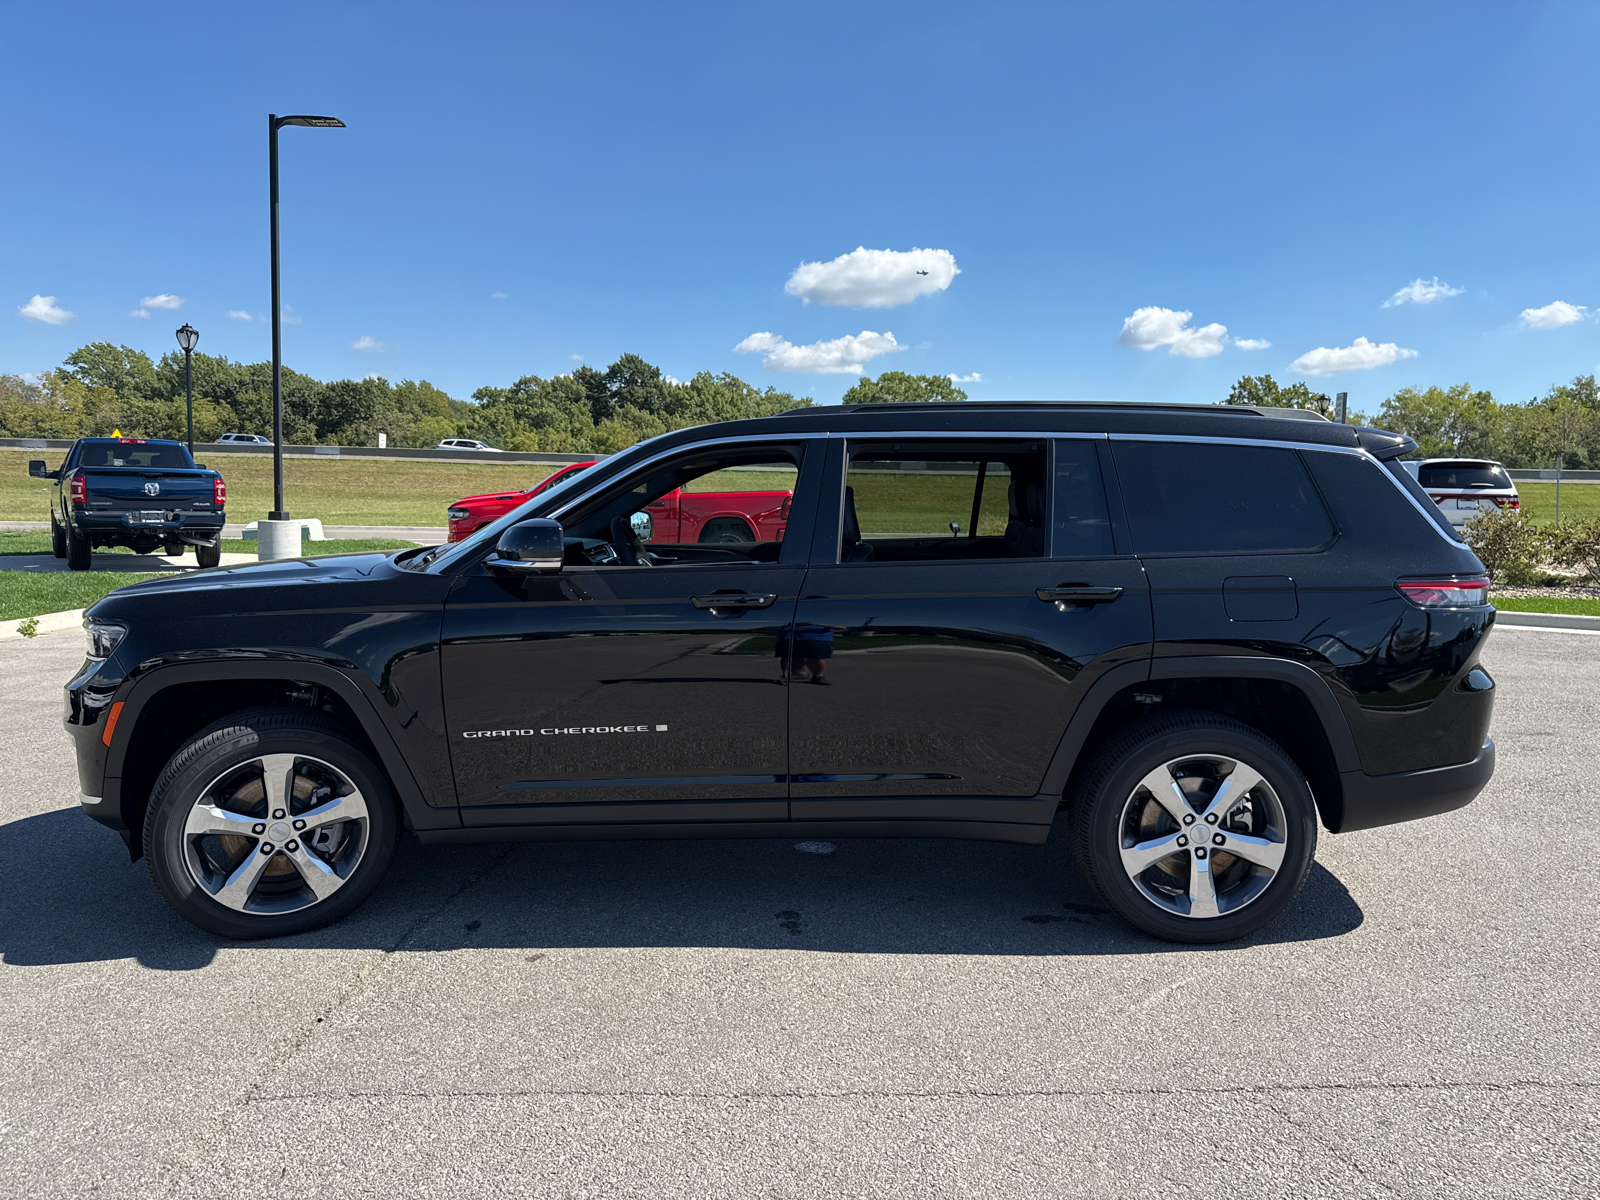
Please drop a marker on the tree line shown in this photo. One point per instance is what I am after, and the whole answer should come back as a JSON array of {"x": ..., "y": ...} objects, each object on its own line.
[{"x": 101, "y": 388}]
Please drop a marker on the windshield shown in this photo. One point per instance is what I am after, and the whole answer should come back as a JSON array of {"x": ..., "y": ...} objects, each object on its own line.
[
  {"x": 455, "y": 551},
  {"x": 1463, "y": 475}
]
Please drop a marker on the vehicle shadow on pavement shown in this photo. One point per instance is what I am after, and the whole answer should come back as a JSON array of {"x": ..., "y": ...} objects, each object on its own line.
[{"x": 72, "y": 896}]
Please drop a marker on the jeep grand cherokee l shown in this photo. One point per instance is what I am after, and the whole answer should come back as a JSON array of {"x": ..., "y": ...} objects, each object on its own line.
[{"x": 1201, "y": 632}]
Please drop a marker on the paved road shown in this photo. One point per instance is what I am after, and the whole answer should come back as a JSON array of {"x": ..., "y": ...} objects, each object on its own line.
[{"x": 918, "y": 1019}]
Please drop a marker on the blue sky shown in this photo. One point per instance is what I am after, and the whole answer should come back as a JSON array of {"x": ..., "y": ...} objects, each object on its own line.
[{"x": 521, "y": 186}]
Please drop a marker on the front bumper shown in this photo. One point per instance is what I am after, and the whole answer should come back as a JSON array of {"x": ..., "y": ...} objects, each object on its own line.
[{"x": 1373, "y": 800}]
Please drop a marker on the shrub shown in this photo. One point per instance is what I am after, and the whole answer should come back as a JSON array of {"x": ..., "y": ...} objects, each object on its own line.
[
  {"x": 1508, "y": 544},
  {"x": 1575, "y": 544}
]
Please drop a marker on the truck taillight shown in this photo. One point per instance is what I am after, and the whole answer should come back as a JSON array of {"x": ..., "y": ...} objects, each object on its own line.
[
  {"x": 219, "y": 491},
  {"x": 79, "y": 490},
  {"x": 1445, "y": 593}
]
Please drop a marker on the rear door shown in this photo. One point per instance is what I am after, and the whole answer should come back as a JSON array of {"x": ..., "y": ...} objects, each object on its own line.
[{"x": 964, "y": 594}]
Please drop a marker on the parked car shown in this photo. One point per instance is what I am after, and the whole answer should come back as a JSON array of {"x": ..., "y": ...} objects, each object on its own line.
[
  {"x": 465, "y": 444},
  {"x": 471, "y": 513},
  {"x": 244, "y": 439},
  {"x": 678, "y": 516},
  {"x": 1465, "y": 487},
  {"x": 142, "y": 493},
  {"x": 980, "y": 615}
]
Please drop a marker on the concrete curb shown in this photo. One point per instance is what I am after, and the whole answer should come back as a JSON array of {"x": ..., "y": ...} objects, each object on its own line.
[
  {"x": 1547, "y": 620},
  {"x": 56, "y": 622}
]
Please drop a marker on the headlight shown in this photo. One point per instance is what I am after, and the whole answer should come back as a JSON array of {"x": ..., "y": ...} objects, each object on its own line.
[
  {"x": 458, "y": 514},
  {"x": 104, "y": 637}
]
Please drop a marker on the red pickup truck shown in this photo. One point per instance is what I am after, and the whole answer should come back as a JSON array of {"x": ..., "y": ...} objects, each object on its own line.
[{"x": 678, "y": 517}]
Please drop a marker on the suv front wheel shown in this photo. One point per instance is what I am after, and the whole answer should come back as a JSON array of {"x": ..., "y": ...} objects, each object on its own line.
[
  {"x": 1194, "y": 828},
  {"x": 272, "y": 821}
]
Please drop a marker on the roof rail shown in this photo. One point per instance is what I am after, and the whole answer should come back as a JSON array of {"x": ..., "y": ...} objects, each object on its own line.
[{"x": 1291, "y": 414}]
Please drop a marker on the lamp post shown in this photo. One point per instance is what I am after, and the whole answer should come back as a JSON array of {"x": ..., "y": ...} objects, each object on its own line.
[
  {"x": 275, "y": 123},
  {"x": 188, "y": 337}
]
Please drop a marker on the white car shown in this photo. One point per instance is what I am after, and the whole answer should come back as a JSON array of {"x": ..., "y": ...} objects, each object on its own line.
[
  {"x": 1465, "y": 487},
  {"x": 465, "y": 444},
  {"x": 244, "y": 439}
]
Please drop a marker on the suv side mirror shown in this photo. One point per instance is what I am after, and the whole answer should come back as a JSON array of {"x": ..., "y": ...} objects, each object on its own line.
[
  {"x": 644, "y": 525},
  {"x": 534, "y": 546},
  {"x": 36, "y": 469}
]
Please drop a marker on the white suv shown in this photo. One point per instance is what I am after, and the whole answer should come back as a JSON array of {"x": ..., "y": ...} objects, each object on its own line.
[
  {"x": 1464, "y": 487},
  {"x": 464, "y": 444},
  {"x": 245, "y": 439}
]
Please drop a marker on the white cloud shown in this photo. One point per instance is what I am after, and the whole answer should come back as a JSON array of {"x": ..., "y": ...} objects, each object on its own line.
[
  {"x": 873, "y": 278},
  {"x": 575, "y": 357},
  {"x": 1359, "y": 355},
  {"x": 497, "y": 295},
  {"x": 164, "y": 300},
  {"x": 1251, "y": 343},
  {"x": 841, "y": 356},
  {"x": 238, "y": 314},
  {"x": 975, "y": 377},
  {"x": 366, "y": 343},
  {"x": 1422, "y": 291},
  {"x": 1552, "y": 316},
  {"x": 31, "y": 378},
  {"x": 290, "y": 317},
  {"x": 43, "y": 308},
  {"x": 1152, "y": 327},
  {"x": 142, "y": 313}
]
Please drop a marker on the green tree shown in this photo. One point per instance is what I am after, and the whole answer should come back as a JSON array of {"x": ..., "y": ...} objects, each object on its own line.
[
  {"x": 1446, "y": 422},
  {"x": 1266, "y": 392},
  {"x": 898, "y": 387},
  {"x": 126, "y": 371}
]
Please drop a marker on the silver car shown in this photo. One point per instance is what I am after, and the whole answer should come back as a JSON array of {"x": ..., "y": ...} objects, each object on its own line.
[{"x": 1465, "y": 487}]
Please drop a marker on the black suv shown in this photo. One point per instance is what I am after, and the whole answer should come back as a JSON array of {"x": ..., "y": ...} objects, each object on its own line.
[{"x": 1198, "y": 630}]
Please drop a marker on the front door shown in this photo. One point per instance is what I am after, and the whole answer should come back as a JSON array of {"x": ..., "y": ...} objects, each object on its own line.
[
  {"x": 944, "y": 638},
  {"x": 640, "y": 684}
]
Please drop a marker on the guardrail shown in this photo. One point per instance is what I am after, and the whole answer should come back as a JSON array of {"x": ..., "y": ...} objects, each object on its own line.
[
  {"x": 1549, "y": 476},
  {"x": 432, "y": 455}
]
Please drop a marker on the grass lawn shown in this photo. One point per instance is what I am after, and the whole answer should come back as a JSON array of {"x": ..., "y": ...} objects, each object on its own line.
[
  {"x": 1578, "y": 500},
  {"x": 1572, "y": 606},
  {"x": 26, "y": 542},
  {"x": 339, "y": 491}
]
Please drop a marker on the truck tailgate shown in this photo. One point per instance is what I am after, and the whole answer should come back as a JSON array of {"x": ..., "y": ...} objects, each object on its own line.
[{"x": 119, "y": 488}]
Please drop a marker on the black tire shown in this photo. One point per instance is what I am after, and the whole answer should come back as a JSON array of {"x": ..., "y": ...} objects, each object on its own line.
[
  {"x": 1110, "y": 813},
  {"x": 208, "y": 556},
  {"x": 58, "y": 540},
  {"x": 78, "y": 551},
  {"x": 172, "y": 548},
  {"x": 726, "y": 529},
  {"x": 200, "y": 769}
]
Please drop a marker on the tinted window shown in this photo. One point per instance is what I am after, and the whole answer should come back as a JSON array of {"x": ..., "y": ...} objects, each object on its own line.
[
  {"x": 1463, "y": 475},
  {"x": 948, "y": 500},
  {"x": 1081, "y": 525},
  {"x": 1200, "y": 498},
  {"x": 135, "y": 454}
]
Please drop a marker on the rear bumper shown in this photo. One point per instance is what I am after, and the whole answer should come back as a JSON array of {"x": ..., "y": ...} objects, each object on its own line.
[
  {"x": 204, "y": 525},
  {"x": 1373, "y": 800}
]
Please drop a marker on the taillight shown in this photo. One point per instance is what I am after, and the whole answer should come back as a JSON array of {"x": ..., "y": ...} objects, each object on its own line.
[
  {"x": 1508, "y": 502},
  {"x": 79, "y": 490},
  {"x": 219, "y": 491},
  {"x": 1445, "y": 593}
]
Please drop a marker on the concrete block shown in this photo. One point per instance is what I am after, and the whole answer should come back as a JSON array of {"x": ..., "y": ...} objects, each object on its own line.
[
  {"x": 278, "y": 539},
  {"x": 310, "y": 529}
]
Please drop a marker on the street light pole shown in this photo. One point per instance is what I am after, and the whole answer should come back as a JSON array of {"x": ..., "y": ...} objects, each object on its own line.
[
  {"x": 274, "y": 123},
  {"x": 188, "y": 337}
]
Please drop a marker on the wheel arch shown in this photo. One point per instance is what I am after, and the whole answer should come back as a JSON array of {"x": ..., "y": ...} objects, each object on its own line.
[
  {"x": 1287, "y": 701},
  {"x": 170, "y": 704}
]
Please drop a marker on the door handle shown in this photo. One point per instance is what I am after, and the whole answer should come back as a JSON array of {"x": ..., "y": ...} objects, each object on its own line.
[
  {"x": 740, "y": 600},
  {"x": 1071, "y": 596}
]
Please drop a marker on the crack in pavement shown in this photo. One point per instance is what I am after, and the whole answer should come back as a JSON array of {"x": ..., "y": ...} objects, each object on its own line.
[
  {"x": 1265, "y": 1089},
  {"x": 294, "y": 1042}
]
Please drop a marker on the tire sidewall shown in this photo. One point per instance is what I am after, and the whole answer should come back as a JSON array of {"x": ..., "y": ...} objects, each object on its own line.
[
  {"x": 1103, "y": 834},
  {"x": 176, "y": 793}
]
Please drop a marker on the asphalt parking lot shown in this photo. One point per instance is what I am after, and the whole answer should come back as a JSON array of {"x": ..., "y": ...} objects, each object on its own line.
[{"x": 911, "y": 1018}]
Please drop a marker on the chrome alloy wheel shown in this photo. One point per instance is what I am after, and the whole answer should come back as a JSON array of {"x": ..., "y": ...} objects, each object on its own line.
[
  {"x": 1203, "y": 836},
  {"x": 276, "y": 834}
]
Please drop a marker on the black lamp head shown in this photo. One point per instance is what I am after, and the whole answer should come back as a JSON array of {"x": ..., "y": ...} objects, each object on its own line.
[
  {"x": 313, "y": 122},
  {"x": 188, "y": 336}
]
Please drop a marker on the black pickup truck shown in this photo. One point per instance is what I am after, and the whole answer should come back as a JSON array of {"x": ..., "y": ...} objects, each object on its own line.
[{"x": 135, "y": 492}]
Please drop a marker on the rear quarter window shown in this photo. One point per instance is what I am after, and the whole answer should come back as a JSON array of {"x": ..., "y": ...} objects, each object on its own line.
[{"x": 1205, "y": 498}]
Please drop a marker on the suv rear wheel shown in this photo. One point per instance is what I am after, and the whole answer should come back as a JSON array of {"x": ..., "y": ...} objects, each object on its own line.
[
  {"x": 1194, "y": 828},
  {"x": 272, "y": 821}
]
